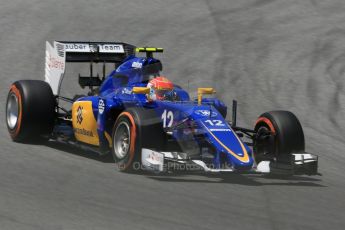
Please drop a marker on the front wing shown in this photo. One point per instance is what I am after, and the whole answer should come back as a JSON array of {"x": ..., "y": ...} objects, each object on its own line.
[{"x": 296, "y": 164}]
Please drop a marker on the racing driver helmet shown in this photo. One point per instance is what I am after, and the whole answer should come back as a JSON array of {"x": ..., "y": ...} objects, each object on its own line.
[{"x": 160, "y": 88}]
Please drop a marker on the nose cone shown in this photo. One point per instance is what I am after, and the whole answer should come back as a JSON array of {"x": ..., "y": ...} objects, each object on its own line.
[{"x": 225, "y": 140}]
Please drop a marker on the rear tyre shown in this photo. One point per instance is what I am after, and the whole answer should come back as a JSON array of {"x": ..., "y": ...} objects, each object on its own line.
[
  {"x": 279, "y": 133},
  {"x": 134, "y": 129},
  {"x": 30, "y": 111}
]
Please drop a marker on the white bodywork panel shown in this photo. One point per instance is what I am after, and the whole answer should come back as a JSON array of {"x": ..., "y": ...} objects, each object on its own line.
[
  {"x": 152, "y": 160},
  {"x": 55, "y": 65},
  {"x": 301, "y": 158},
  {"x": 263, "y": 167}
]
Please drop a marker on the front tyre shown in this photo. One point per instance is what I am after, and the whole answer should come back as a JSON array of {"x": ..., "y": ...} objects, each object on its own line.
[
  {"x": 134, "y": 129},
  {"x": 124, "y": 142},
  {"x": 279, "y": 133}
]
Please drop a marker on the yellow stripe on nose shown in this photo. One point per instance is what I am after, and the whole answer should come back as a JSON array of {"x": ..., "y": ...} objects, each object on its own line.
[{"x": 244, "y": 158}]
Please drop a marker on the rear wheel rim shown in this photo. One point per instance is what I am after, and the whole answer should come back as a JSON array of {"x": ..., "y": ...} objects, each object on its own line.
[
  {"x": 12, "y": 111},
  {"x": 122, "y": 140}
]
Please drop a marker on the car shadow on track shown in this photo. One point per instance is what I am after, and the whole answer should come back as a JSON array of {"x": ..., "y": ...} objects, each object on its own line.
[
  {"x": 240, "y": 179},
  {"x": 75, "y": 150}
]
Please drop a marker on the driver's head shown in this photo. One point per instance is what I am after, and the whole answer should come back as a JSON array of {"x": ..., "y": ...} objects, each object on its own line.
[{"x": 160, "y": 88}]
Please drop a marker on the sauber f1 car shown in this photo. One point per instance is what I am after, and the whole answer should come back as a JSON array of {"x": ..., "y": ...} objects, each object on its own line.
[{"x": 120, "y": 115}]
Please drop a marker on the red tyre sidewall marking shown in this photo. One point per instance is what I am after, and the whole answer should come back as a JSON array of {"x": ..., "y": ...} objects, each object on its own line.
[
  {"x": 267, "y": 122},
  {"x": 16, "y": 129},
  {"x": 133, "y": 138}
]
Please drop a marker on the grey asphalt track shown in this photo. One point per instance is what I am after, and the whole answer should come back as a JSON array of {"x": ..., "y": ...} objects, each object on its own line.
[{"x": 267, "y": 54}]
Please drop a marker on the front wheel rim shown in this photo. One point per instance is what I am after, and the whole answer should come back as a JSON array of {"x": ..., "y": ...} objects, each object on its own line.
[
  {"x": 264, "y": 147},
  {"x": 12, "y": 111},
  {"x": 122, "y": 140}
]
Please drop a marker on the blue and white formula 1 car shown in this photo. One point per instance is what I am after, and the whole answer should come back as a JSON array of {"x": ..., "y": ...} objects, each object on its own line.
[{"x": 118, "y": 116}]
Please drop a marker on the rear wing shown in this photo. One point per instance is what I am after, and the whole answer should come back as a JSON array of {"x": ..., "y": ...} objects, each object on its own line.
[
  {"x": 75, "y": 51},
  {"x": 109, "y": 52}
]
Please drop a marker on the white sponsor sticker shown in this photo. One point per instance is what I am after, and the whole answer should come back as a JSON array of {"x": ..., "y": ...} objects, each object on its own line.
[
  {"x": 220, "y": 130},
  {"x": 111, "y": 48},
  {"x": 126, "y": 91},
  {"x": 137, "y": 64},
  {"x": 152, "y": 160},
  {"x": 54, "y": 65},
  {"x": 205, "y": 113},
  {"x": 101, "y": 106},
  {"x": 77, "y": 47},
  {"x": 91, "y": 48}
]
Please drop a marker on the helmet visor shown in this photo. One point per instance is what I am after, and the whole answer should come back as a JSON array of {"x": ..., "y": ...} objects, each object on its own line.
[{"x": 163, "y": 92}]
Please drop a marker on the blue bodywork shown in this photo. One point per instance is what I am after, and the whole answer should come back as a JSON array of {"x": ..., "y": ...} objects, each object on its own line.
[{"x": 207, "y": 119}]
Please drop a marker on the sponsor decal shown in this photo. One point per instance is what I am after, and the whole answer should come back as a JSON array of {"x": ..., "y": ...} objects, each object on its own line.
[
  {"x": 60, "y": 49},
  {"x": 55, "y": 63},
  {"x": 80, "y": 115},
  {"x": 93, "y": 48},
  {"x": 101, "y": 106},
  {"x": 220, "y": 130},
  {"x": 111, "y": 48},
  {"x": 83, "y": 132},
  {"x": 86, "y": 48},
  {"x": 126, "y": 91},
  {"x": 155, "y": 156},
  {"x": 137, "y": 65},
  {"x": 205, "y": 113},
  {"x": 77, "y": 47}
]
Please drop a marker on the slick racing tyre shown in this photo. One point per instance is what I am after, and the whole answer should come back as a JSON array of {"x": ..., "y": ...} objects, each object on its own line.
[
  {"x": 279, "y": 133},
  {"x": 134, "y": 129},
  {"x": 30, "y": 110}
]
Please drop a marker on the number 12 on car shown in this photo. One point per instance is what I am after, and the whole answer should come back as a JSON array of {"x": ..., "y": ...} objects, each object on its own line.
[
  {"x": 168, "y": 118},
  {"x": 215, "y": 122}
]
